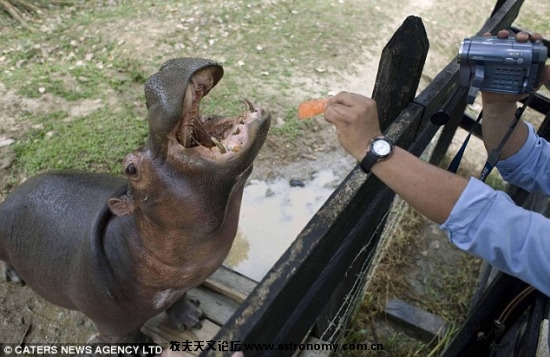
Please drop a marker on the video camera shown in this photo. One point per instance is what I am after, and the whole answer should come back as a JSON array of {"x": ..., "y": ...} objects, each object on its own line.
[{"x": 500, "y": 65}]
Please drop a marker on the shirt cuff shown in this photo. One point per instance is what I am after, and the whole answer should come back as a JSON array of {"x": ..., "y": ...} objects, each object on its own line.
[{"x": 507, "y": 166}]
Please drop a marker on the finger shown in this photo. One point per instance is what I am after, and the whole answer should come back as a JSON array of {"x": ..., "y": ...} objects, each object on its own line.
[
  {"x": 350, "y": 99},
  {"x": 346, "y": 98},
  {"x": 522, "y": 36},
  {"x": 536, "y": 37},
  {"x": 337, "y": 98},
  {"x": 503, "y": 34},
  {"x": 487, "y": 34},
  {"x": 335, "y": 113}
]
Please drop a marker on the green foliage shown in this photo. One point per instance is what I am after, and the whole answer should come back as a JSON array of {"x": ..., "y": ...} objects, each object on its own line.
[{"x": 97, "y": 142}]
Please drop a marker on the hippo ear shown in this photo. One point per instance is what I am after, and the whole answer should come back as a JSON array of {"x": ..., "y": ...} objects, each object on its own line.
[{"x": 121, "y": 206}]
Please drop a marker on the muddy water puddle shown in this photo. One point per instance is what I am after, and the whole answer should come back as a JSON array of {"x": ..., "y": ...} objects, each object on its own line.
[{"x": 274, "y": 212}]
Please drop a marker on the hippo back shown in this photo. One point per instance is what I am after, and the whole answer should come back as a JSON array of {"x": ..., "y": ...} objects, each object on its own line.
[{"x": 48, "y": 221}]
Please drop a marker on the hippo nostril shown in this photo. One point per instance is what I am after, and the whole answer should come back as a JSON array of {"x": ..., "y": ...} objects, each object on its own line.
[{"x": 131, "y": 169}]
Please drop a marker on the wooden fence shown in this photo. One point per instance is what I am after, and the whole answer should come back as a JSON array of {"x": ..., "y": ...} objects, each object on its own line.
[{"x": 315, "y": 280}]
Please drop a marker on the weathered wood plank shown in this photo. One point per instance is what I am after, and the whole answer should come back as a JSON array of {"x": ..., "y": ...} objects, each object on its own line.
[
  {"x": 498, "y": 5},
  {"x": 456, "y": 115},
  {"x": 400, "y": 69},
  {"x": 442, "y": 145},
  {"x": 422, "y": 324},
  {"x": 230, "y": 284},
  {"x": 539, "y": 103},
  {"x": 503, "y": 17},
  {"x": 216, "y": 307}
]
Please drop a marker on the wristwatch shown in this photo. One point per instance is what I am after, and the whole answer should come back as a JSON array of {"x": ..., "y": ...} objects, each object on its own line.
[{"x": 380, "y": 148}]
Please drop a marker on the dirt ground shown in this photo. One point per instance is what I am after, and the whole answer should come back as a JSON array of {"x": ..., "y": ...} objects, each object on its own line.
[{"x": 28, "y": 318}]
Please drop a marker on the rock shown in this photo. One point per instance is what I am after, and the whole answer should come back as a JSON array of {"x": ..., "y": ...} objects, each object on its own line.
[
  {"x": 6, "y": 159},
  {"x": 4, "y": 141},
  {"x": 296, "y": 183},
  {"x": 435, "y": 244}
]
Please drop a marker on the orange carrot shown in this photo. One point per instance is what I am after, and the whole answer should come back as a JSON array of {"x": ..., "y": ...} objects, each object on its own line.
[{"x": 311, "y": 108}]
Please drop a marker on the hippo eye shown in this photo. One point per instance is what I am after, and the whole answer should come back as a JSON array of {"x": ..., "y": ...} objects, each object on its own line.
[{"x": 131, "y": 169}]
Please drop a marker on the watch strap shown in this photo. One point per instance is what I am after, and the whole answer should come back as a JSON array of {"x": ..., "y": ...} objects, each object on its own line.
[{"x": 368, "y": 161}]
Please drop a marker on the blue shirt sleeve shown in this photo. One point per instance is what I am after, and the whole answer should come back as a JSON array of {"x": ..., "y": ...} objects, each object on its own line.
[
  {"x": 488, "y": 224},
  {"x": 529, "y": 168}
]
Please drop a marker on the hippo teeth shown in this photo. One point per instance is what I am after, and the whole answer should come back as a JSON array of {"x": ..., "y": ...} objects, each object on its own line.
[
  {"x": 220, "y": 135},
  {"x": 249, "y": 105},
  {"x": 185, "y": 133}
]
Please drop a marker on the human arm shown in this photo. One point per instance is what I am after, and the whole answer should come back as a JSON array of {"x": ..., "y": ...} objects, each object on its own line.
[
  {"x": 529, "y": 168},
  {"x": 477, "y": 218},
  {"x": 429, "y": 189}
]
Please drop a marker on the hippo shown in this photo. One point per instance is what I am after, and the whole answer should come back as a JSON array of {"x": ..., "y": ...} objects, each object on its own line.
[{"x": 124, "y": 249}]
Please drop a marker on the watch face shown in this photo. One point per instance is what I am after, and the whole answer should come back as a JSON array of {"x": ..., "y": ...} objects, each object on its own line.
[{"x": 381, "y": 148}]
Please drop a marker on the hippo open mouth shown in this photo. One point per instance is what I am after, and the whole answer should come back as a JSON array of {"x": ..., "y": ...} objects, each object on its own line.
[
  {"x": 177, "y": 127},
  {"x": 212, "y": 135}
]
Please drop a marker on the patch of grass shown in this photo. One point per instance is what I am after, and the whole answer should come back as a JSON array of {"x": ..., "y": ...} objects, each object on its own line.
[
  {"x": 496, "y": 181},
  {"x": 97, "y": 142},
  {"x": 447, "y": 294},
  {"x": 126, "y": 72},
  {"x": 86, "y": 79},
  {"x": 292, "y": 127},
  {"x": 534, "y": 17}
]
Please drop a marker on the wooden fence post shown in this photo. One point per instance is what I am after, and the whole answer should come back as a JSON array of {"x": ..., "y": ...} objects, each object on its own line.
[
  {"x": 400, "y": 69},
  {"x": 397, "y": 80}
]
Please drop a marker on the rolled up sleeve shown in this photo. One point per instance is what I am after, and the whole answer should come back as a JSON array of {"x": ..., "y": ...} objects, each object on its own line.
[
  {"x": 488, "y": 224},
  {"x": 529, "y": 168}
]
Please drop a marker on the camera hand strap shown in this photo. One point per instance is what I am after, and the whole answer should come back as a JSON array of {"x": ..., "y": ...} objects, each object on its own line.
[
  {"x": 453, "y": 166},
  {"x": 494, "y": 155}
]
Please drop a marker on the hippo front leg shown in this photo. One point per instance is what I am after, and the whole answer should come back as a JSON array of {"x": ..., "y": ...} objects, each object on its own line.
[
  {"x": 185, "y": 313},
  {"x": 10, "y": 275}
]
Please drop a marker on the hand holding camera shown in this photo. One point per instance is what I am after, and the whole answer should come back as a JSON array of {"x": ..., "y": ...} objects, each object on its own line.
[
  {"x": 506, "y": 70},
  {"x": 503, "y": 64}
]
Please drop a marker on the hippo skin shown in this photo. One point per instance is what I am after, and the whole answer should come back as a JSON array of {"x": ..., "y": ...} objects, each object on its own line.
[{"x": 122, "y": 250}]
